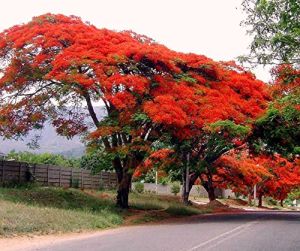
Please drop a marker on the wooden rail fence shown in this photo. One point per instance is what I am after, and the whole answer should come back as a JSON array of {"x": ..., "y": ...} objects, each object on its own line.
[{"x": 49, "y": 175}]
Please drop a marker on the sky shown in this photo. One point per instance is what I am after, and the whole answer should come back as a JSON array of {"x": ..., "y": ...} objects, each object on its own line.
[{"x": 208, "y": 27}]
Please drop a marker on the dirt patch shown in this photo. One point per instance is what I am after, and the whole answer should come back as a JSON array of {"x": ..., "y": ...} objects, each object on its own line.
[
  {"x": 100, "y": 195},
  {"x": 236, "y": 202},
  {"x": 133, "y": 215},
  {"x": 217, "y": 207},
  {"x": 216, "y": 204}
]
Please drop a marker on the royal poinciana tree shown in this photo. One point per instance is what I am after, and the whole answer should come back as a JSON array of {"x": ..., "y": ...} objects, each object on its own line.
[
  {"x": 240, "y": 171},
  {"x": 273, "y": 159},
  {"x": 223, "y": 107},
  {"x": 53, "y": 65},
  {"x": 278, "y": 131},
  {"x": 273, "y": 175}
]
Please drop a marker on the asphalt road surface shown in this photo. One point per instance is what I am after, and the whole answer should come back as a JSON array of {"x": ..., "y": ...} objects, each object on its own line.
[{"x": 241, "y": 232}]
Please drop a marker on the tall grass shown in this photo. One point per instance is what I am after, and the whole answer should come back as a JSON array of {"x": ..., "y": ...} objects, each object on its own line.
[{"x": 47, "y": 210}]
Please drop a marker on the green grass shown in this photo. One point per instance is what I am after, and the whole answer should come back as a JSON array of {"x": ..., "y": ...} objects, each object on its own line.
[
  {"x": 181, "y": 210},
  {"x": 42, "y": 210},
  {"x": 169, "y": 204},
  {"x": 149, "y": 217},
  {"x": 72, "y": 199},
  {"x": 48, "y": 210}
]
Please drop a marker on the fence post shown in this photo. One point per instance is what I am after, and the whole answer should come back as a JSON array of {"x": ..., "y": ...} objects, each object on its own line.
[
  {"x": 72, "y": 178},
  {"x": 2, "y": 172},
  {"x": 20, "y": 166},
  {"x": 34, "y": 172},
  {"x": 82, "y": 179},
  {"x": 59, "y": 177},
  {"x": 47, "y": 175}
]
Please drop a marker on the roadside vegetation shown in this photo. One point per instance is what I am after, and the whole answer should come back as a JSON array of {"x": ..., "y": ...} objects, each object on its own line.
[
  {"x": 44, "y": 158},
  {"x": 48, "y": 210},
  {"x": 44, "y": 210}
]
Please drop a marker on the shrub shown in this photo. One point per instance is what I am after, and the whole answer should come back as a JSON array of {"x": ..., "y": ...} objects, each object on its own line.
[
  {"x": 164, "y": 181},
  {"x": 271, "y": 201},
  {"x": 139, "y": 187},
  {"x": 198, "y": 189},
  {"x": 175, "y": 188}
]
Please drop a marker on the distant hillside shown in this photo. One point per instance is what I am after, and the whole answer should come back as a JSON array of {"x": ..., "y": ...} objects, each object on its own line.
[{"x": 49, "y": 142}]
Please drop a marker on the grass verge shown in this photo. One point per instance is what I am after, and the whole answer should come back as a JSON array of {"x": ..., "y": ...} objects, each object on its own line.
[
  {"x": 48, "y": 210},
  {"x": 42, "y": 210}
]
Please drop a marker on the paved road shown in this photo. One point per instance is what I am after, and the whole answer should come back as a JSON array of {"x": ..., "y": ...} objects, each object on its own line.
[{"x": 241, "y": 232}]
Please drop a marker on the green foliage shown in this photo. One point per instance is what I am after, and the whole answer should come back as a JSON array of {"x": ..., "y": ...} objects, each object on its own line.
[
  {"x": 271, "y": 201},
  {"x": 295, "y": 194},
  {"x": 175, "y": 188},
  {"x": 149, "y": 177},
  {"x": 278, "y": 131},
  {"x": 139, "y": 187},
  {"x": 163, "y": 180},
  {"x": 170, "y": 206},
  {"x": 186, "y": 78},
  {"x": 198, "y": 189},
  {"x": 141, "y": 117},
  {"x": 44, "y": 158},
  {"x": 174, "y": 173},
  {"x": 230, "y": 127},
  {"x": 297, "y": 150},
  {"x": 177, "y": 210},
  {"x": 275, "y": 27},
  {"x": 59, "y": 210},
  {"x": 97, "y": 160},
  {"x": 54, "y": 210}
]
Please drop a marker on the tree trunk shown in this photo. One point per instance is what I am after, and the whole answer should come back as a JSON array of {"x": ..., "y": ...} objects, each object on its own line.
[
  {"x": 281, "y": 203},
  {"x": 250, "y": 199},
  {"x": 124, "y": 178},
  {"x": 211, "y": 193},
  {"x": 260, "y": 200},
  {"x": 124, "y": 183},
  {"x": 123, "y": 191},
  {"x": 210, "y": 190},
  {"x": 186, "y": 192},
  {"x": 208, "y": 185},
  {"x": 185, "y": 196}
]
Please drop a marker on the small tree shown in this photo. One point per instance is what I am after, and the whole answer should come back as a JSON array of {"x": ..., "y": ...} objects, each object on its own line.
[
  {"x": 175, "y": 188},
  {"x": 139, "y": 187}
]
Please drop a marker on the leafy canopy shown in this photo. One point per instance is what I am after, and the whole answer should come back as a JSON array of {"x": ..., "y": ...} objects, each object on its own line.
[{"x": 275, "y": 27}]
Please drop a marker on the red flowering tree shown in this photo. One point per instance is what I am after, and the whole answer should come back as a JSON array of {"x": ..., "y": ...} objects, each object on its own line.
[
  {"x": 285, "y": 177},
  {"x": 54, "y": 64},
  {"x": 215, "y": 115},
  {"x": 278, "y": 130},
  {"x": 273, "y": 175},
  {"x": 240, "y": 171}
]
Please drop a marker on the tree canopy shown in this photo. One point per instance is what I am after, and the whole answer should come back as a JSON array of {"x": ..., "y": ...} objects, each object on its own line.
[
  {"x": 155, "y": 98},
  {"x": 275, "y": 27}
]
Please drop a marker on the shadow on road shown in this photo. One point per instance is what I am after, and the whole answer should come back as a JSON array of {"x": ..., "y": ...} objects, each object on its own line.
[{"x": 242, "y": 216}]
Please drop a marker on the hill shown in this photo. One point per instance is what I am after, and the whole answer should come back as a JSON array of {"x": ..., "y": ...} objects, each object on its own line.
[{"x": 49, "y": 141}]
